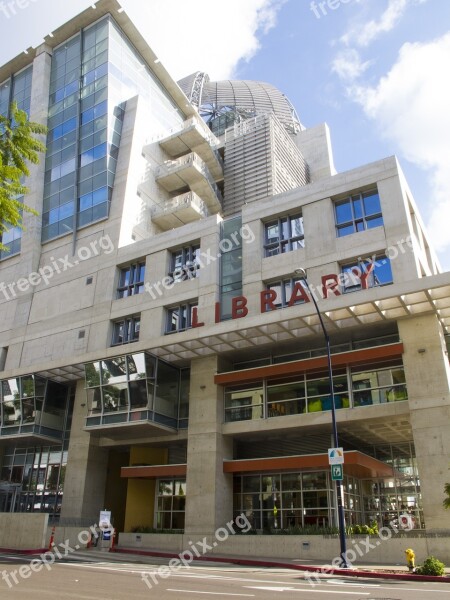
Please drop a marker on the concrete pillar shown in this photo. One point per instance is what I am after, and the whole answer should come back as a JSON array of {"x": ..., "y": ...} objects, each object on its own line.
[
  {"x": 84, "y": 488},
  {"x": 31, "y": 238},
  {"x": 428, "y": 380},
  {"x": 209, "y": 492}
]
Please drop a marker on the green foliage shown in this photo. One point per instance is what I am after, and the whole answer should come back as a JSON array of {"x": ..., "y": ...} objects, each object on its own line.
[
  {"x": 308, "y": 530},
  {"x": 431, "y": 566},
  {"x": 18, "y": 147},
  {"x": 446, "y": 502},
  {"x": 146, "y": 529},
  {"x": 371, "y": 529}
]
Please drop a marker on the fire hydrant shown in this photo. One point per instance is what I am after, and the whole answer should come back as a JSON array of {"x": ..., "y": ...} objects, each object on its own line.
[{"x": 410, "y": 558}]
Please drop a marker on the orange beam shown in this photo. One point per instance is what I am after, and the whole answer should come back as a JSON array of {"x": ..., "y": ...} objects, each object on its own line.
[
  {"x": 355, "y": 463},
  {"x": 154, "y": 471},
  {"x": 353, "y": 357}
]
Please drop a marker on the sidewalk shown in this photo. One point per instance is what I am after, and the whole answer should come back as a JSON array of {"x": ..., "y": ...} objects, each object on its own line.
[{"x": 366, "y": 570}]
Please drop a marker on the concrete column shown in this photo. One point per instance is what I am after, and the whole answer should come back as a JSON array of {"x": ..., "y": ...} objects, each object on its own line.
[
  {"x": 87, "y": 463},
  {"x": 31, "y": 238},
  {"x": 209, "y": 494},
  {"x": 428, "y": 380}
]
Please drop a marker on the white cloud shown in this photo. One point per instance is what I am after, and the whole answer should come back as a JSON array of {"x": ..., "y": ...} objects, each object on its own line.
[
  {"x": 348, "y": 64},
  {"x": 411, "y": 107},
  {"x": 201, "y": 35},
  {"x": 364, "y": 35}
]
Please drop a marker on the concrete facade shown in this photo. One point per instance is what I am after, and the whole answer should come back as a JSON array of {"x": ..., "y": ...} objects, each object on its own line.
[{"x": 191, "y": 418}]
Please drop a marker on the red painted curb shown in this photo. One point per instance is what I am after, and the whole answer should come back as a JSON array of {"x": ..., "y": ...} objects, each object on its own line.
[
  {"x": 15, "y": 551},
  {"x": 281, "y": 565}
]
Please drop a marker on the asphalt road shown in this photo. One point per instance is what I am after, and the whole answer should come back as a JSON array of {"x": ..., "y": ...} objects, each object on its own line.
[{"x": 93, "y": 580}]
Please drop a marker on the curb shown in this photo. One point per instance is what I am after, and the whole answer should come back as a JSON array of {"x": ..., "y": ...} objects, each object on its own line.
[
  {"x": 25, "y": 552},
  {"x": 282, "y": 565}
]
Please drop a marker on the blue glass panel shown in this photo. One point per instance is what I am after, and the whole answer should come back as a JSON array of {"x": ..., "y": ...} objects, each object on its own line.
[
  {"x": 372, "y": 204},
  {"x": 87, "y": 116},
  {"x": 343, "y": 212},
  {"x": 85, "y": 202},
  {"x": 357, "y": 208},
  {"x": 100, "y": 211},
  {"x": 66, "y": 210},
  {"x": 383, "y": 271},
  {"x": 100, "y": 196},
  {"x": 70, "y": 125},
  {"x": 377, "y": 222},
  {"x": 54, "y": 216},
  {"x": 342, "y": 231},
  {"x": 100, "y": 151}
]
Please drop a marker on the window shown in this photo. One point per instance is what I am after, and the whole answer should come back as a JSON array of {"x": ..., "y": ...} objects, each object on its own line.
[
  {"x": 171, "y": 504},
  {"x": 131, "y": 280},
  {"x": 378, "y": 386},
  {"x": 283, "y": 290},
  {"x": 180, "y": 318},
  {"x": 244, "y": 402},
  {"x": 358, "y": 212},
  {"x": 284, "y": 234},
  {"x": 126, "y": 330},
  {"x": 300, "y": 499},
  {"x": 373, "y": 272},
  {"x": 184, "y": 263}
]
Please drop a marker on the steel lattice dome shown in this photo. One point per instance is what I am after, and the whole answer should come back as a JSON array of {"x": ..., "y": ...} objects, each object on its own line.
[{"x": 238, "y": 99}]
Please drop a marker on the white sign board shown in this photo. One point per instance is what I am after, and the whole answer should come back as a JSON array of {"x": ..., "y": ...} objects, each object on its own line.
[
  {"x": 335, "y": 456},
  {"x": 105, "y": 519}
]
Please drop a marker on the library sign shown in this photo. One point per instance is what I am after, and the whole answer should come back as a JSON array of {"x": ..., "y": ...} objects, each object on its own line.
[{"x": 329, "y": 284}]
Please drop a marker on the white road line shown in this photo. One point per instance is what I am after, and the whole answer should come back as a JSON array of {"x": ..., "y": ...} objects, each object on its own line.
[
  {"x": 210, "y": 593},
  {"x": 290, "y": 589}
]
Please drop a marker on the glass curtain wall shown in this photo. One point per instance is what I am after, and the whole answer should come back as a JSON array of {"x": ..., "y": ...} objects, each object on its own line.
[
  {"x": 136, "y": 387},
  {"x": 230, "y": 264},
  {"x": 93, "y": 75},
  {"x": 16, "y": 89}
]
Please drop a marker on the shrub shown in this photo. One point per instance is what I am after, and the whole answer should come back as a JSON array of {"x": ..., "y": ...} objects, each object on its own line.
[{"x": 431, "y": 566}]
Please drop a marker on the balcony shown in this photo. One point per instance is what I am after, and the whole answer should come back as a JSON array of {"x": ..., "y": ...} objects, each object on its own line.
[
  {"x": 37, "y": 429},
  {"x": 195, "y": 137},
  {"x": 191, "y": 172},
  {"x": 178, "y": 211}
]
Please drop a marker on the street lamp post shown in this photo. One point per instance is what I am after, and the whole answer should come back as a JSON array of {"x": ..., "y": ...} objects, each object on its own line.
[{"x": 341, "y": 521}]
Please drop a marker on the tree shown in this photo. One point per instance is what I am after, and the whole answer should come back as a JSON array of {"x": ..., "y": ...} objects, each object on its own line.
[
  {"x": 446, "y": 502},
  {"x": 19, "y": 146}
]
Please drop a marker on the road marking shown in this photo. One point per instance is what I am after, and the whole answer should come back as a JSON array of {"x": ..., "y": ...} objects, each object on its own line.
[
  {"x": 344, "y": 582},
  {"x": 211, "y": 593},
  {"x": 309, "y": 591}
]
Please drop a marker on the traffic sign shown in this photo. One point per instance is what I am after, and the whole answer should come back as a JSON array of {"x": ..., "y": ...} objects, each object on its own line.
[
  {"x": 335, "y": 456},
  {"x": 337, "y": 472}
]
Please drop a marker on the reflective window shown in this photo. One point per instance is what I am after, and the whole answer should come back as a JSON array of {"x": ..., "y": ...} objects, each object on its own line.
[
  {"x": 283, "y": 291},
  {"x": 244, "y": 402},
  {"x": 180, "y": 318},
  {"x": 378, "y": 386},
  {"x": 283, "y": 235},
  {"x": 285, "y": 501},
  {"x": 184, "y": 263},
  {"x": 358, "y": 212},
  {"x": 131, "y": 280},
  {"x": 375, "y": 271},
  {"x": 20, "y": 93},
  {"x": 126, "y": 330},
  {"x": 171, "y": 504}
]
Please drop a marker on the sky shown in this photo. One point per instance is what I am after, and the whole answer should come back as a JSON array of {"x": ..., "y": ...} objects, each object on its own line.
[{"x": 376, "y": 71}]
